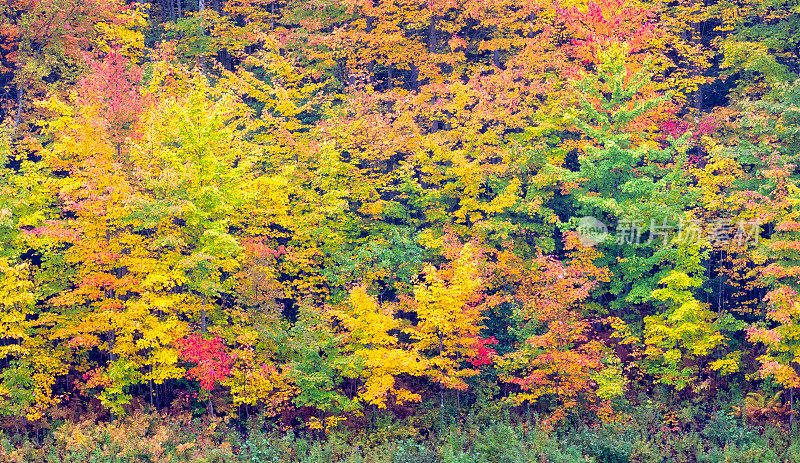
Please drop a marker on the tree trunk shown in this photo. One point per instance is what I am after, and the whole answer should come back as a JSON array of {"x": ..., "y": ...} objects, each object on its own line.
[
  {"x": 441, "y": 388},
  {"x": 432, "y": 45},
  {"x": 697, "y": 40},
  {"x": 203, "y": 316},
  {"x": 414, "y": 77},
  {"x": 152, "y": 405},
  {"x": 721, "y": 295},
  {"x": 532, "y": 19},
  {"x": 18, "y": 117},
  {"x": 791, "y": 412},
  {"x": 112, "y": 340}
]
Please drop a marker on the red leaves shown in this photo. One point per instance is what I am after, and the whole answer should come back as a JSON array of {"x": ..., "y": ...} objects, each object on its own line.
[
  {"x": 258, "y": 249},
  {"x": 566, "y": 353},
  {"x": 213, "y": 364},
  {"x": 113, "y": 89},
  {"x": 483, "y": 355},
  {"x": 54, "y": 229},
  {"x": 99, "y": 280},
  {"x": 606, "y": 22}
]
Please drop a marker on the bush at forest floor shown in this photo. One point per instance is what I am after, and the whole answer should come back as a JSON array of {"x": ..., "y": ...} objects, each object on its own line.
[{"x": 158, "y": 437}]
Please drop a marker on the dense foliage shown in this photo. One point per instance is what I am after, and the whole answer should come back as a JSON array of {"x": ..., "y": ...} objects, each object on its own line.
[{"x": 332, "y": 212}]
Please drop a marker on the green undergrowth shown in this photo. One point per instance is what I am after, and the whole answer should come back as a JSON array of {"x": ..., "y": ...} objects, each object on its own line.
[{"x": 643, "y": 434}]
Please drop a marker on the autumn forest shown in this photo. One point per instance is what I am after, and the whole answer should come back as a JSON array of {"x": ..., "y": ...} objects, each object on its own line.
[{"x": 399, "y": 230}]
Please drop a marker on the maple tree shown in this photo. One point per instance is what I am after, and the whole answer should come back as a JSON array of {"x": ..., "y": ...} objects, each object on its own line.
[
  {"x": 558, "y": 353},
  {"x": 769, "y": 122}
]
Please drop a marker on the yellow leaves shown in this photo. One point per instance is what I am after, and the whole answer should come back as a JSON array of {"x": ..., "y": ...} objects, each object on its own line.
[
  {"x": 31, "y": 378},
  {"x": 16, "y": 288},
  {"x": 143, "y": 237},
  {"x": 288, "y": 93},
  {"x": 506, "y": 199},
  {"x": 367, "y": 322},
  {"x": 374, "y": 209},
  {"x": 446, "y": 293},
  {"x": 404, "y": 396},
  {"x": 782, "y": 349},
  {"x": 378, "y": 357},
  {"x": 252, "y": 384},
  {"x": 73, "y": 436},
  {"x": 157, "y": 332},
  {"x": 163, "y": 366},
  {"x": 729, "y": 364},
  {"x": 65, "y": 113},
  {"x": 448, "y": 306},
  {"x": 157, "y": 281},
  {"x": 610, "y": 381},
  {"x": 783, "y": 374},
  {"x": 328, "y": 424},
  {"x": 622, "y": 331},
  {"x": 315, "y": 424},
  {"x": 684, "y": 333},
  {"x": 715, "y": 179},
  {"x": 125, "y": 33},
  {"x": 382, "y": 366},
  {"x": 750, "y": 56},
  {"x": 376, "y": 388}
]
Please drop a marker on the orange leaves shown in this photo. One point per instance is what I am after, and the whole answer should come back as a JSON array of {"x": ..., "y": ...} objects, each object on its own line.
[
  {"x": 288, "y": 200},
  {"x": 770, "y": 337},
  {"x": 781, "y": 341},
  {"x": 783, "y": 374},
  {"x": 561, "y": 354},
  {"x": 608, "y": 24},
  {"x": 254, "y": 384},
  {"x": 550, "y": 288},
  {"x": 45, "y": 48},
  {"x": 257, "y": 281}
]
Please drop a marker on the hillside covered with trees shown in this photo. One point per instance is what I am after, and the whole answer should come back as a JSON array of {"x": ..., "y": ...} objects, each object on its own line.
[{"x": 569, "y": 228}]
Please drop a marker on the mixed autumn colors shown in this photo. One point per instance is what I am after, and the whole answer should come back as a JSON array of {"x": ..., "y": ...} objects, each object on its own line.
[{"x": 326, "y": 211}]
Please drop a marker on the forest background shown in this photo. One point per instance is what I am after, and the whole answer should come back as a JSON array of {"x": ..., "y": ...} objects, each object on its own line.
[{"x": 569, "y": 230}]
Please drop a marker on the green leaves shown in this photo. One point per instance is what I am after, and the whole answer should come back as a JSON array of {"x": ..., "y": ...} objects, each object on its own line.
[{"x": 318, "y": 365}]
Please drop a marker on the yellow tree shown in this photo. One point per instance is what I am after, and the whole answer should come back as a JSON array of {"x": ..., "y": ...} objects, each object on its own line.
[
  {"x": 448, "y": 308},
  {"x": 378, "y": 357},
  {"x": 110, "y": 305}
]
